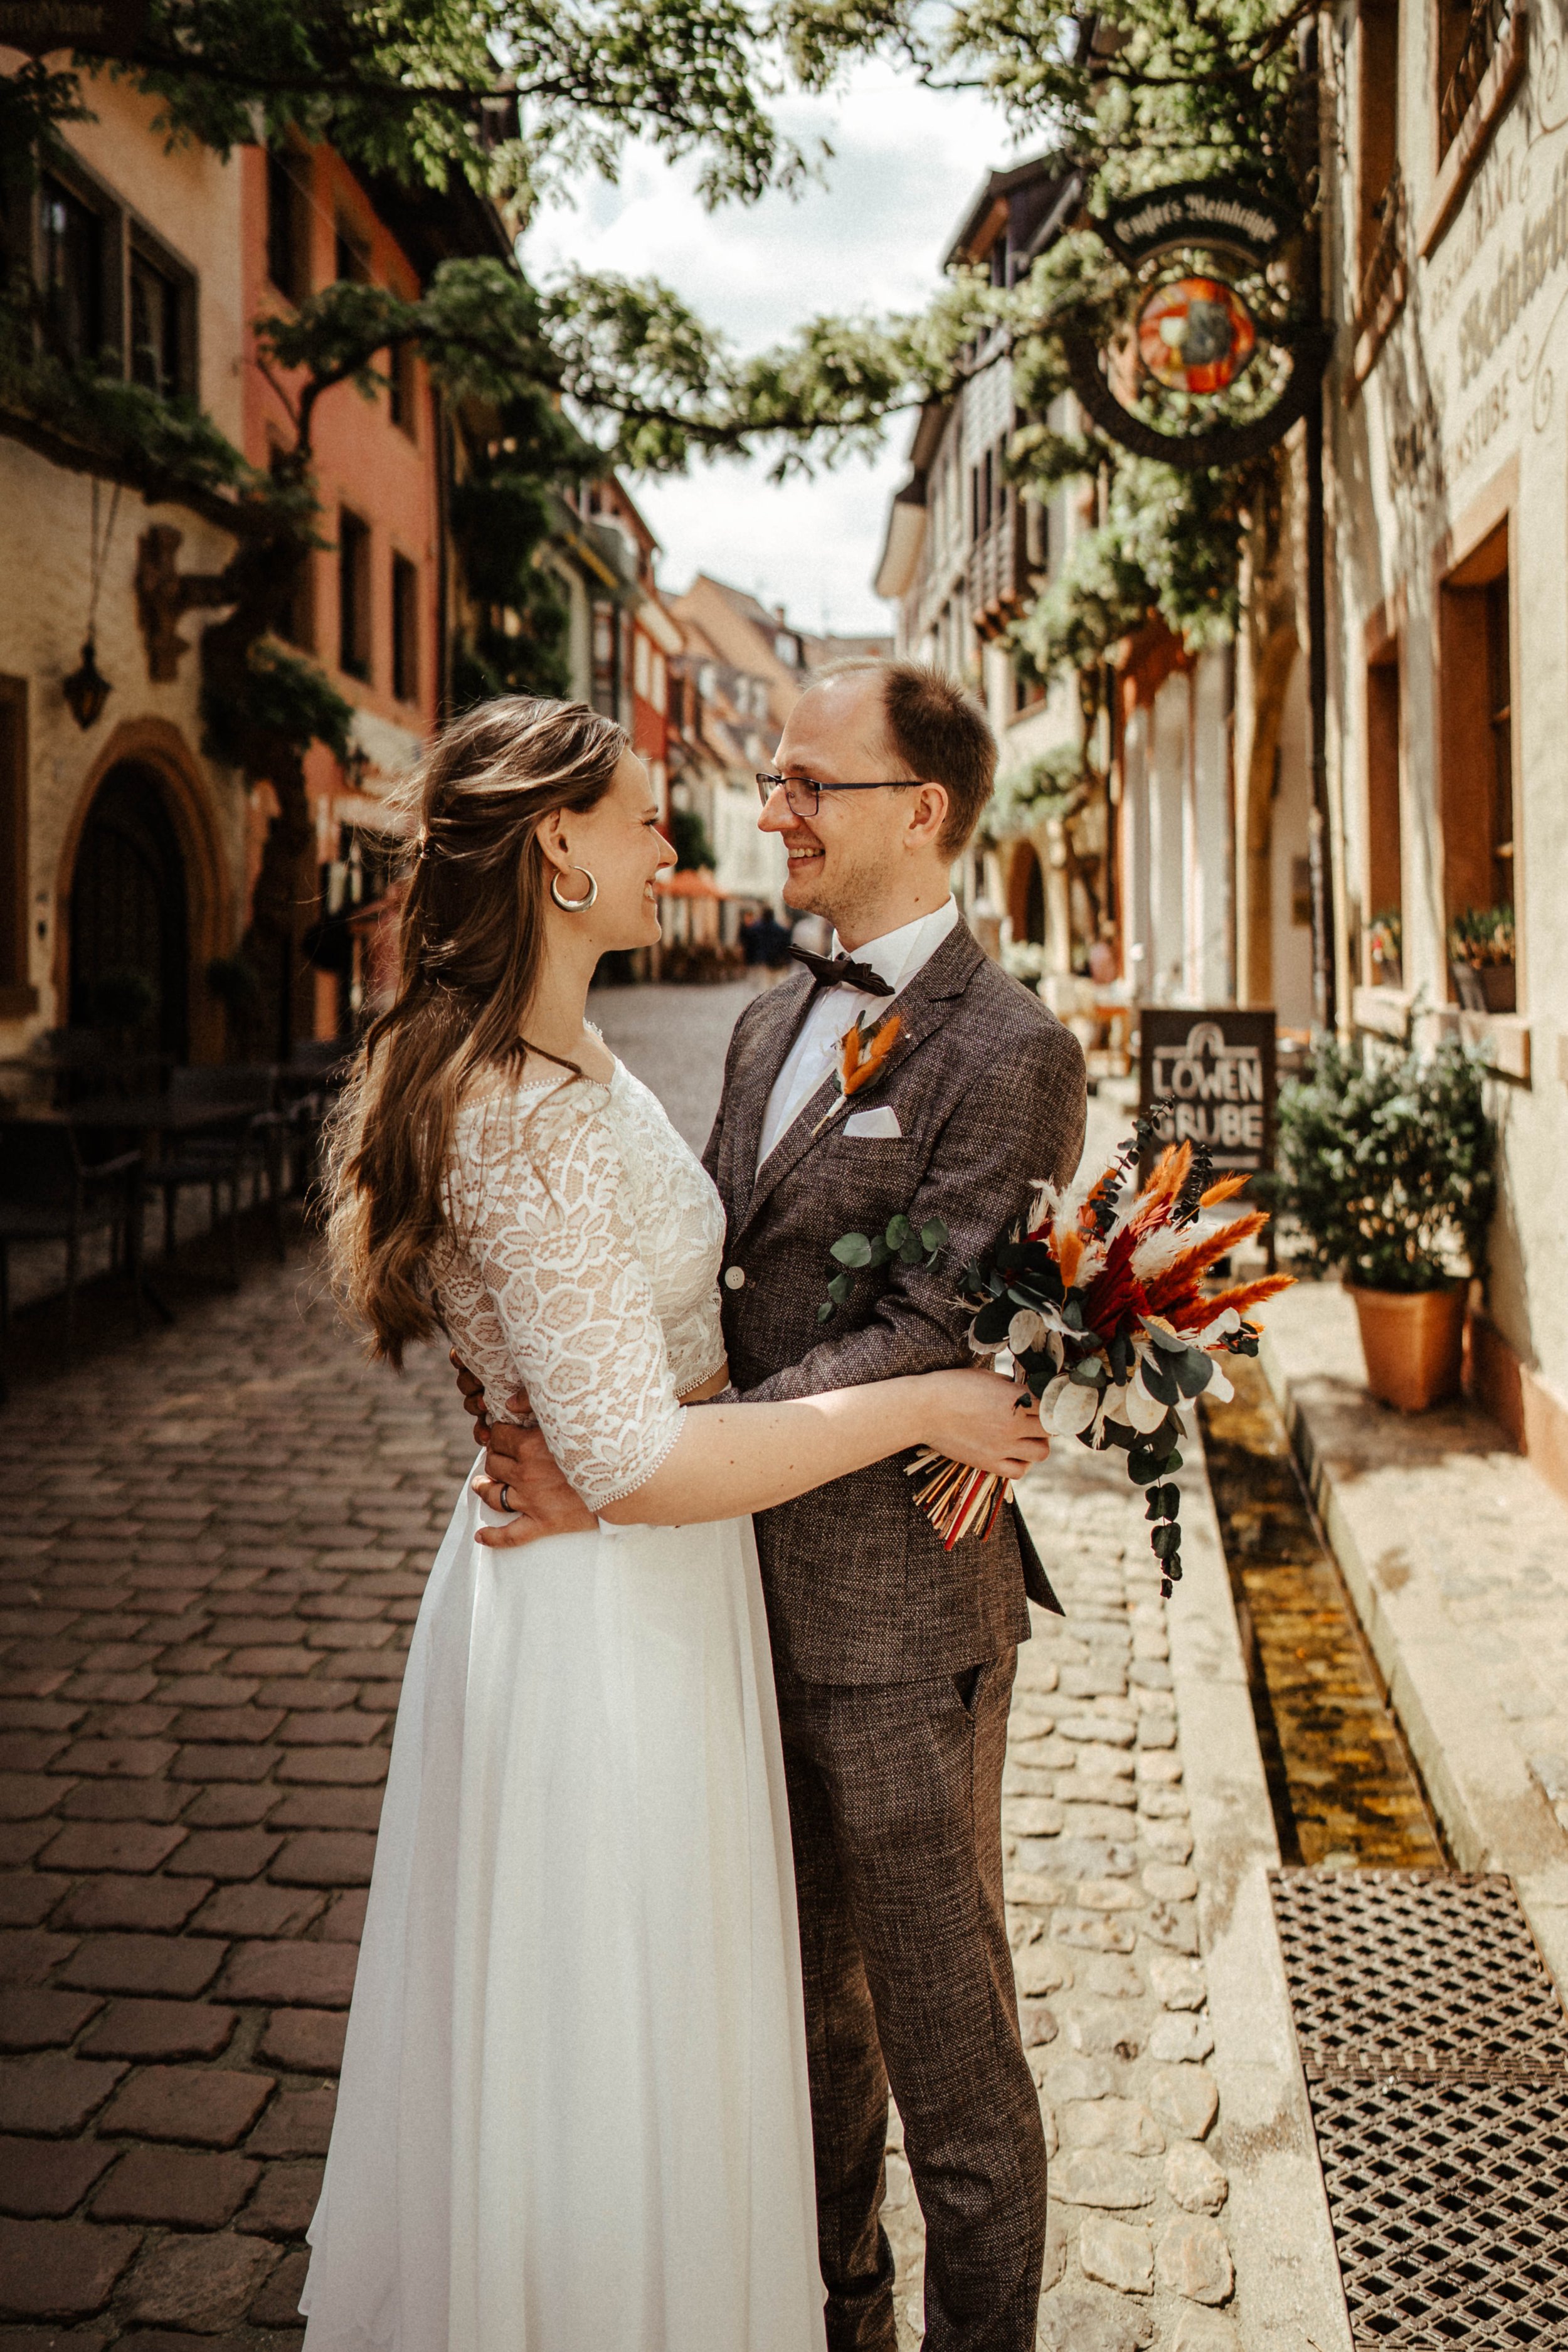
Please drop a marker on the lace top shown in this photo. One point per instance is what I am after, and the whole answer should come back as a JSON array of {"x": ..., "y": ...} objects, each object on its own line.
[{"x": 584, "y": 1267}]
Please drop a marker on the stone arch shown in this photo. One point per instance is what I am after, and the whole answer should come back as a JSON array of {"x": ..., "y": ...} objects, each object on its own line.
[{"x": 156, "y": 748}]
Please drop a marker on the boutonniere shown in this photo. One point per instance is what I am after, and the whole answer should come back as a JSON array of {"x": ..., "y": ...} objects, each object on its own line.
[{"x": 862, "y": 1051}]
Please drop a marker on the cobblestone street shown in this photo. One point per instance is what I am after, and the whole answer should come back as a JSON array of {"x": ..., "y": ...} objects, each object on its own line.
[{"x": 214, "y": 1546}]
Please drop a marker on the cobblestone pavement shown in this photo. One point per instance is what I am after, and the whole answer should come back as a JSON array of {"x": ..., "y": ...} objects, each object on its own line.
[
  {"x": 1104, "y": 1932},
  {"x": 674, "y": 1039},
  {"x": 213, "y": 1547}
]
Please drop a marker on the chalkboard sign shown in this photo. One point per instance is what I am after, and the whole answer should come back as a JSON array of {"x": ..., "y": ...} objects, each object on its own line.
[{"x": 1219, "y": 1066}]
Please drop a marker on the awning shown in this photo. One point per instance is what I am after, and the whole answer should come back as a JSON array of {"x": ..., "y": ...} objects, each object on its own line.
[{"x": 681, "y": 884}]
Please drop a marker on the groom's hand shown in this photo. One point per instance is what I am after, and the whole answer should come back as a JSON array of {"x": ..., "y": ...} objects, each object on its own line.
[
  {"x": 519, "y": 1477},
  {"x": 472, "y": 1391}
]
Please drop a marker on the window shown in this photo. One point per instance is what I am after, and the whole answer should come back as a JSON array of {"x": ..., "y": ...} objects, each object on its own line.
[
  {"x": 641, "y": 676},
  {"x": 354, "y": 594},
  {"x": 403, "y": 406},
  {"x": 160, "y": 318},
  {"x": 1477, "y": 716},
  {"x": 351, "y": 255},
  {"x": 73, "y": 272},
  {"x": 287, "y": 228},
  {"x": 1470, "y": 34},
  {"x": 1384, "y": 858},
  {"x": 15, "y": 997},
  {"x": 1377, "y": 109},
  {"x": 404, "y": 629}
]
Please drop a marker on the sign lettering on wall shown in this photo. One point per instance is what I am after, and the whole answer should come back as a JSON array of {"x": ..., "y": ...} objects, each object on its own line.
[{"x": 1219, "y": 1067}]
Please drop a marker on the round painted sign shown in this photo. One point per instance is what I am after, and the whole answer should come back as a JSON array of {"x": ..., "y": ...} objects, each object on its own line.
[{"x": 1195, "y": 334}]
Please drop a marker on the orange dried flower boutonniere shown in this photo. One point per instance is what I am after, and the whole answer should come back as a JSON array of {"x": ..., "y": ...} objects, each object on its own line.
[{"x": 862, "y": 1051}]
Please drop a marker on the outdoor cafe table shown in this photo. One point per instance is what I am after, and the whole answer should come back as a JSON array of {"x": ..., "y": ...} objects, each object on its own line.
[{"x": 151, "y": 1118}]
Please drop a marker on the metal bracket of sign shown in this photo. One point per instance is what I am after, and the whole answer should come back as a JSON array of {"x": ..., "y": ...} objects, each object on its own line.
[
  {"x": 1219, "y": 216},
  {"x": 1222, "y": 445}
]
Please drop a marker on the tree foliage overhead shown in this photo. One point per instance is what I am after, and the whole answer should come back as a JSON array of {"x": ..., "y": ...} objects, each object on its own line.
[{"x": 507, "y": 96}]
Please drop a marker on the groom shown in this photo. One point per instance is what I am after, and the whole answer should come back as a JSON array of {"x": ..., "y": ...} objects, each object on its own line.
[{"x": 894, "y": 1658}]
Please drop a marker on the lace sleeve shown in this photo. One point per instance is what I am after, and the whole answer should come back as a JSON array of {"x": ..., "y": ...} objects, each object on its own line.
[{"x": 547, "y": 1232}]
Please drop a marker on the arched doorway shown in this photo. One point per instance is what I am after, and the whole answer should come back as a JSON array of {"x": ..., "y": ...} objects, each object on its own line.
[{"x": 129, "y": 926}]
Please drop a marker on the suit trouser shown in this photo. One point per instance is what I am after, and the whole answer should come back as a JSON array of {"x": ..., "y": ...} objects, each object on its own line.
[{"x": 895, "y": 1797}]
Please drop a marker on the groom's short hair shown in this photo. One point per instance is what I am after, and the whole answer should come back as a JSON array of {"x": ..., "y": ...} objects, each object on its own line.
[{"x": 938, "y": 733}]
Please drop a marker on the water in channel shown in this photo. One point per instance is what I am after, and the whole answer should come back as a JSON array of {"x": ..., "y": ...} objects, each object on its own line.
[{"x": 1345, "y": 1793}]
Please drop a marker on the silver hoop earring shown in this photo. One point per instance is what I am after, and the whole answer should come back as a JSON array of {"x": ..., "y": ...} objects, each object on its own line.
[{"x": 574, "y": 905}]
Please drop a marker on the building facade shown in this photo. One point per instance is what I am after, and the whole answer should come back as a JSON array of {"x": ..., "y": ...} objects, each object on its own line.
[
  {"x": 132, "y": 860},
  {"x": 1447, "y": 178},
  {"x": 122, "y": 849},
  {"x": 1110, "y": 869}
]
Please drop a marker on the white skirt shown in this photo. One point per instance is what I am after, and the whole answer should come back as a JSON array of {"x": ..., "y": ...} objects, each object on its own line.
[{"x": 574, "y": 2114}]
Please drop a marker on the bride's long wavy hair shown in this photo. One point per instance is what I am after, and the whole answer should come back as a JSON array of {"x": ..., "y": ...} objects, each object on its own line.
[{"x": 472, "y": 944}]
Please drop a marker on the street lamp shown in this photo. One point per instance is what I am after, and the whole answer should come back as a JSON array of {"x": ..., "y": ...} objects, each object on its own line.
[{"x": 87, "y": 689}]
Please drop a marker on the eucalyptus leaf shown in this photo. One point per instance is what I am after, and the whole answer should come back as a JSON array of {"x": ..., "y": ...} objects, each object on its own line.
[
  {"x": 1193, "y": 1373},
  {"x": 898, "y": 1232},
  {"x": 934, "y": 1235},
  {"x": 851, "y": 1249}
]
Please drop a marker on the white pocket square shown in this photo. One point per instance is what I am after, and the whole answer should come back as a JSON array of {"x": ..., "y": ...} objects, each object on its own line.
[{"x": 883, "y": 1121}]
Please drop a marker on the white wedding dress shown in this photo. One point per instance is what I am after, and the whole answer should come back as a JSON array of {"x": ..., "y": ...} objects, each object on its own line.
[{"x": 574, "y": 2113}]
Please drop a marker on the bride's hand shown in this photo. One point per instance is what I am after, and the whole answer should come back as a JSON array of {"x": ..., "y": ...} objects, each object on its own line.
[{"x": 982, "y": 1418}]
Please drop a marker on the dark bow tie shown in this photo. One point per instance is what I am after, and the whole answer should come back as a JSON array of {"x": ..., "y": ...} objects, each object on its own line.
[{"x": 839, "y": 971}]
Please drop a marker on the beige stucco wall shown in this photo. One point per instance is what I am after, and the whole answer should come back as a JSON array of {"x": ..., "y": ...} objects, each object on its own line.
[
  {"x": 1463, "y": 423},
  {"x": 190, "y": 198},
  {"x": 46, "y": 517}
]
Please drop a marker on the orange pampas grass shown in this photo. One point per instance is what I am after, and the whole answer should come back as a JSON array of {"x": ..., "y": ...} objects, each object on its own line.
[
  {"x": 861, "y": 1059},
  {"x": 1115, "y": 1355}
]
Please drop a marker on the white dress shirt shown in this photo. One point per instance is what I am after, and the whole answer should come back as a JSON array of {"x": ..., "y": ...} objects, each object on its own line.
[{"x": 896, "y": 958}]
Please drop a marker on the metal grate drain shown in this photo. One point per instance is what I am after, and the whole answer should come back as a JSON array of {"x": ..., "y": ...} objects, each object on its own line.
[
  {"x": 1437, "y": 2058},
  {"x": 1420, "y": 1969}
]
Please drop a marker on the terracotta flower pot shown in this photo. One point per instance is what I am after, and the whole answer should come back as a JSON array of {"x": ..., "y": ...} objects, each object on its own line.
[
  {"x": 1413, "y": 1342},
  {"x": 1499, "y": 987}
]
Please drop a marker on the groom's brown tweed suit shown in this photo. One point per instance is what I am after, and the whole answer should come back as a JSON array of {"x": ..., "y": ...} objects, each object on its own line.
[{"x": 895, "y": 1658}]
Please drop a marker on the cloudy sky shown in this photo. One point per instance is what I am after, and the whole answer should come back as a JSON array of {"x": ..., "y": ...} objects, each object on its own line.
[{"x": 905, "y": 165}]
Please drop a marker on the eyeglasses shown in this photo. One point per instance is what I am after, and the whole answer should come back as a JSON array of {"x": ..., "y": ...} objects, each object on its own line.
[{"x": 804, "y": 793}]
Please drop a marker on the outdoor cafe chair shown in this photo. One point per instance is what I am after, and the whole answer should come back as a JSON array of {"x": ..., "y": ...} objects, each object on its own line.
[
  {"x": 48, "y": 1193},
  {"x": 242, "y": 1140}
]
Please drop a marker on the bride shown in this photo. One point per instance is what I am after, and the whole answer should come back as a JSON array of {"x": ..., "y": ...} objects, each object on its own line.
[{"x": 573, "y": 2112}]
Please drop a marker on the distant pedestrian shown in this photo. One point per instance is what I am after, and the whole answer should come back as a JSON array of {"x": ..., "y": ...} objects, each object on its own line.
[{"x": 767, "y": 942}]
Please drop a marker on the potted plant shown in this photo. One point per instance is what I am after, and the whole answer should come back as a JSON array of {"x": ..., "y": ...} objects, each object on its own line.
[
  {"x": 1384, "y": 947},
  {"x": 1388, "y": 1165},
  {"x": 1481, "y": 958}
]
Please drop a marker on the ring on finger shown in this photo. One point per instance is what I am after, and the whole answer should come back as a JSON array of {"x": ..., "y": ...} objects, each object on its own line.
[{"x": 505, "y": 1505}]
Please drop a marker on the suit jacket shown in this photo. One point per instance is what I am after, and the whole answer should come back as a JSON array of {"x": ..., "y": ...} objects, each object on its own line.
[{"x": 990, "y": 1095}]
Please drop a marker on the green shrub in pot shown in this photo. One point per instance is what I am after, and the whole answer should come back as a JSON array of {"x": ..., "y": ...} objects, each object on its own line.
[{"x": 1388, "y": 1165}]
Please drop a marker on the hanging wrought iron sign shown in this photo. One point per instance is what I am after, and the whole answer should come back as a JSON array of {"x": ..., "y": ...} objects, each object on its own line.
[{"x": 1195, "y": 334}]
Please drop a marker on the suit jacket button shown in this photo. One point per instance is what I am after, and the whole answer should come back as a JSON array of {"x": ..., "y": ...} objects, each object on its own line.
[{"x": 734, "y": 1277}]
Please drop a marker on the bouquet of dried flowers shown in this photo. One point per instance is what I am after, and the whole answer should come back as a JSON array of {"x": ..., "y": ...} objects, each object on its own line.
[{"x": 1099, "y": 1301}]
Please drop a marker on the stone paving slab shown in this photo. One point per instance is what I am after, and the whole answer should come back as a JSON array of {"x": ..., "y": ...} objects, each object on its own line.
[
  {"x": 212, "y": 1549},
  {"x": 1186, "y": 2207},
  {"x": 1456, "y": 1554}
]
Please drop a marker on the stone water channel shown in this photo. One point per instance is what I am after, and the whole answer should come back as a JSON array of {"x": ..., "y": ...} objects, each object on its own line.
[{"x": 1345, "y": 1793}]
